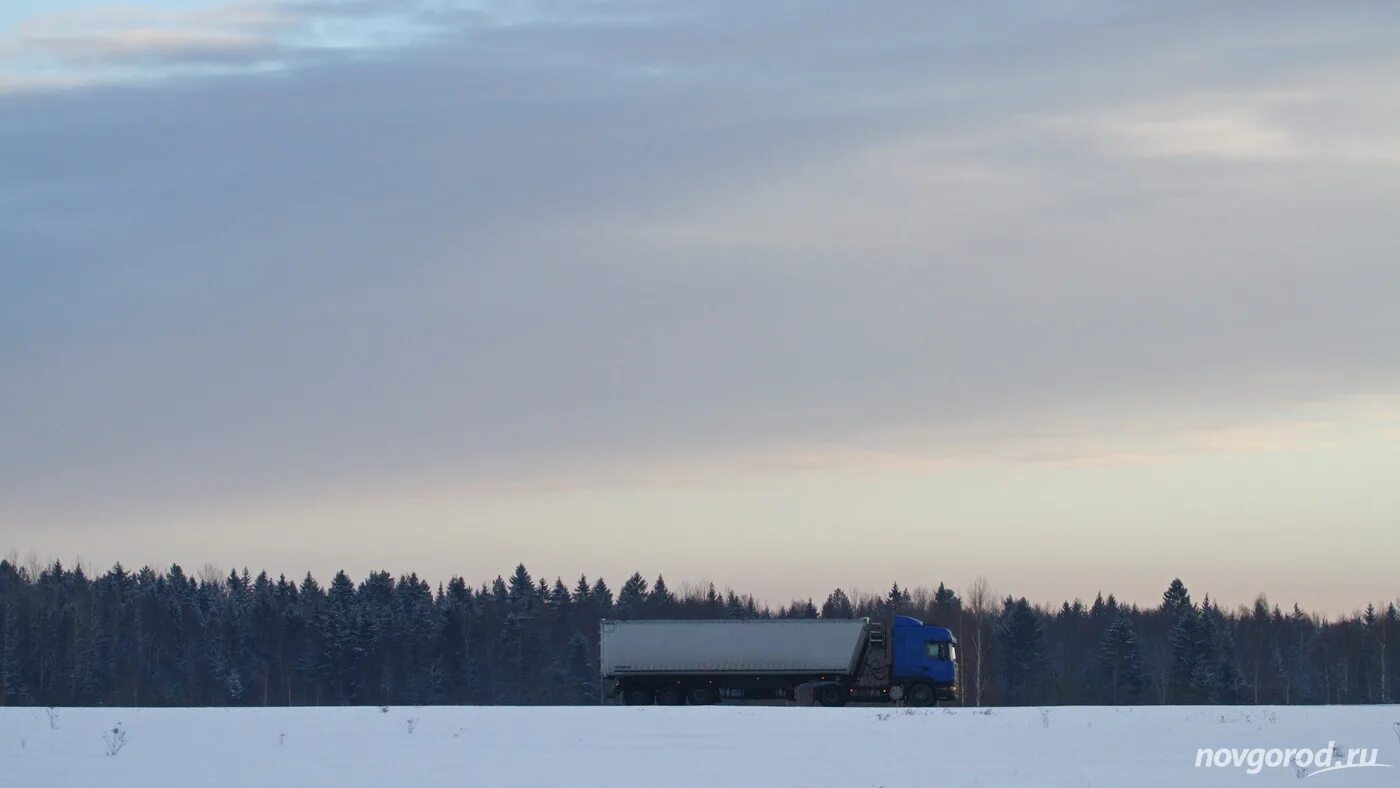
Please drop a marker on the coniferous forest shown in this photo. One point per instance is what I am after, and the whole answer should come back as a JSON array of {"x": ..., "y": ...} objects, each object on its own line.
[{"x": 169, "y": 639}]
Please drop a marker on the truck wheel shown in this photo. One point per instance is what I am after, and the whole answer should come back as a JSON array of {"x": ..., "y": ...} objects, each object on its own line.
[
  {"x": 670, "y": 696},
  {"x": 830, "y": 695},
  {"x": 921, "y": 695},
  {"x": 637, "y": 696},
  {"x": 703, "y": 696}
]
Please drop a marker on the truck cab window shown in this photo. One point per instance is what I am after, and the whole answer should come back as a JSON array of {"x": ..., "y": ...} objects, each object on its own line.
[{"x": 937, "y": 649}]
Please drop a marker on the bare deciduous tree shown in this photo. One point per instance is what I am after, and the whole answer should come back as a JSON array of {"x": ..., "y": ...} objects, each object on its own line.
[{"x": 978, "y": 601}]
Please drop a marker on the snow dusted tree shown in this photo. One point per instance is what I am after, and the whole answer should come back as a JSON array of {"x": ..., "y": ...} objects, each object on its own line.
[
  {"x": 456, "y": 608},
  {"x": 521, "y": 590},
  {"x": 1118, "y": 667},
  {"x": 12, "y": 585},
  {"x": 1021, "y": 648},
  {"x": 1202, "y": 659},
  {"x": 1226, "y": 686},
  {"x": 340, "y": 635},
  {"x": 164, "y": 638}
]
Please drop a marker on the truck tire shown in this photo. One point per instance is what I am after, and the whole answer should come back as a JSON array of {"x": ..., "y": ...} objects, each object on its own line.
[
  {"x": 830, "y": 695},
  {"x": 921, "y": 694},
  {"x": 670, "y": 696},
  {"x": 704, "y": 695},
  {"x": 638, "y": 696}
]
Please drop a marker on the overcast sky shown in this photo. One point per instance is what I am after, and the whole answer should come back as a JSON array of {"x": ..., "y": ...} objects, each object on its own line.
[{"x": 779, "y": 295}]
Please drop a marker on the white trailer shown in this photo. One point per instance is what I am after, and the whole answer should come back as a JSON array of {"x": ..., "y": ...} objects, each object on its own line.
[
  {"x": 749, "y": 646},
  {"x": 830, "y": 661}
]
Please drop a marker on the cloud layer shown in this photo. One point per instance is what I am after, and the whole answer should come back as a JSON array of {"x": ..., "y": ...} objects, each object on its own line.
[{"x": 532, "y": 244}]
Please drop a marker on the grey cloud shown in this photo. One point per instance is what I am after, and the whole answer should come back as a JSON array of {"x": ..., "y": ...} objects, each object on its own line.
[{"x": 555, "y": 242}]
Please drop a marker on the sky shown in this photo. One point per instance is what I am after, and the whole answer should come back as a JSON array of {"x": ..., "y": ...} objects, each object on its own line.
[{"x": 780, "y": 296}]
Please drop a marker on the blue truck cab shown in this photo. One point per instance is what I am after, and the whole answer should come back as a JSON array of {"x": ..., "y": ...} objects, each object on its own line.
[{"x": 924, "y": 658}]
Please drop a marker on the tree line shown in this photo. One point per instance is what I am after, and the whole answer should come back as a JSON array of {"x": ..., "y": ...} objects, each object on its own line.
[{"x": 156, "y": 638}]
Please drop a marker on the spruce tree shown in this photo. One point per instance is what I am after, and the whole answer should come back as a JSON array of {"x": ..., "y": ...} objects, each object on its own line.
[
  {"x": 601, "y": 597},
  {"x": 340, "y": 634},
  {"x": 1118, "y": 666},
  {"x": 713, "y": 606},
  {"x": 1176, "y": 600},
  {"x": 559, "y": 597},
  {"x": 945, "y": 606},
  {"x": 11, "y": 587},
  {"x": 838, "y": 605},
  {"x": 1021, "y": 646},
  {"x": 897, "y": 600},
  {"x": 631, "y": 600},
  {"x": 159, "y": 638},
  {"x": 660, "y": 602},
  {"x": 521, "y": 590}
]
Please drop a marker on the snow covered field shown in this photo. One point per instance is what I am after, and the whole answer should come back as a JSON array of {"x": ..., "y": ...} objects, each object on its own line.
[{"x": 618, "y": 746}]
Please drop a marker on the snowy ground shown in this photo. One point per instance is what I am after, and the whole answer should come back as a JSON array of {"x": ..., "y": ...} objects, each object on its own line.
[{"x": 619, "y": 746}]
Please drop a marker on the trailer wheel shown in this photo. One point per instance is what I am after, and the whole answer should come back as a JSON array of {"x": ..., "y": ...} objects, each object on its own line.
[
  {"x": 638, "y": 696},
  {"x": 703, "y": 695},
  {"x": 670, "y": 696},
  {"x": 921, "y": 695},
  {"x": 831, "y": 695}
]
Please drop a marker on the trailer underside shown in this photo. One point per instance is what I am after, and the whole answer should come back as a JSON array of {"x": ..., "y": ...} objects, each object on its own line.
[{"x": 821, "y": 689}]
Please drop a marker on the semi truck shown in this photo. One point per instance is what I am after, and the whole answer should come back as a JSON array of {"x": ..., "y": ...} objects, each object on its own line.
[{"x": 829, "y": 662}]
